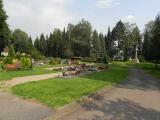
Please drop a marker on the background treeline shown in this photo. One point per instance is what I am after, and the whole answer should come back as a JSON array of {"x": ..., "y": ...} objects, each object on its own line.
[{"x": 81, "y": 40}]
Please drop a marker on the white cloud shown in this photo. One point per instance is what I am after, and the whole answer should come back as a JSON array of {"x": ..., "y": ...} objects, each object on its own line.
[
  {"x": 37, "y": 16},
  {"x": 107, "y": 3},
  {"x": 129, "y": 18}
]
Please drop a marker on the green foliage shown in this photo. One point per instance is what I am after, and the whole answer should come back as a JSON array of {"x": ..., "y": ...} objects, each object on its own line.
[
  {"x": 26, "y": 63},
  {"x": 88, "y": 59},
  {"x": 141, "y": 58},
  {"x": 21, "y": 41},
  {"x": 8, "y": 60},
  {"x": 151, "y": 46},
  {"x": 11, "y": 51},
  {"x": 4, "y": 30},
  {"x": 105, "y": 60},
  {"x": 55, "y": 61},
  {"x": 35, "y": 54}
]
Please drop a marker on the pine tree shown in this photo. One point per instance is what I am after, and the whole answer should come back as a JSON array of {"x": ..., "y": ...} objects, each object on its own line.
[{"x": 4, "y": 30}]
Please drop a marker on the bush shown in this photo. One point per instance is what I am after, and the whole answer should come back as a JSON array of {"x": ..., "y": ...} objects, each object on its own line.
[
  {"x": 26, "y": 63},
  {"x": 36, "y": 54},
  {"x": 8, "y": 60},
  {"x": 105, "y": 61},
  {"x": 11, "y": 51},
  {"x": 2, "y": 66},
  {"x": 2, "y": 58},
  {"x": 88, "y": 59},
  {"x": 141, "y": 58},
  {"x": 55, "y": 61}
]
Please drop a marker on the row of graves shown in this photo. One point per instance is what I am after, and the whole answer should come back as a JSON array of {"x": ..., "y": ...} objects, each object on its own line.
[{"x": 74, "y": 66}]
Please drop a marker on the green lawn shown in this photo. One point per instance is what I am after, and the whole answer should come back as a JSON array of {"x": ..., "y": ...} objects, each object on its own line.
[
  {"x": 149, "y": 68},
  {"x": 7, "y": 75},
  {"x": 59, "y": 91}
]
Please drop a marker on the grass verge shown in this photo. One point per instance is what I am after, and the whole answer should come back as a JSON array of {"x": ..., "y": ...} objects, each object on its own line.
[
  {"x": 38, "y": 70},
  {"x": 58, "y": 92}
]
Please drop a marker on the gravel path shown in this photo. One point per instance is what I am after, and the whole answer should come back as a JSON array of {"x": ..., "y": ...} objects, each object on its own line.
[
  {"x": 136, "y": 99},
  {"x": 20, "y": 80}
]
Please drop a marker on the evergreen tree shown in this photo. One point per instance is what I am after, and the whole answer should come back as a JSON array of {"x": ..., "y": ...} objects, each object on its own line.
[
  {"x": 11, "y": 51},
  {"x": 42, "y": 45},
  {"x": 67, "y": 46},
  {"x": 50, "y": 43},
  {"x": 146, "y": 46},
  {"x": 109, "y": 42},
  {"x": 36, "y": 43},
  {"x": 102, "y": 46},
  {"x": 96, "y": 45},
  {"x": 155, "y": 43},
  {"x": 4, "y": 30},
  {"x": 118, "y": 39},
  {"x": 57, "y": 43},
  {"x": 30, "y": 43}
]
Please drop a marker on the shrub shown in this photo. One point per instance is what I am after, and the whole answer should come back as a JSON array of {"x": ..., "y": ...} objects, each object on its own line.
[
  {"x": 2, "y": 58},
  {"x": 55, "y": 61},
  {"x": 8, "y": 60},
  {"x": 88, "y": 59},
  {"x": 141, "y": 58},
  {"x": 104, "y": 60},
  {"x": 11, "y": 51},
  {"x": 36, "y": 54},
  {"x": 2, "y": 66},
  {"x": 26, "y": 63}
]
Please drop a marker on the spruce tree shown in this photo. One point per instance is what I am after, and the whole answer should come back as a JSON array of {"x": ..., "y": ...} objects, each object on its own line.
[
  {"x": 43, "y": 44},
  {"x": 96, "y": 45}
]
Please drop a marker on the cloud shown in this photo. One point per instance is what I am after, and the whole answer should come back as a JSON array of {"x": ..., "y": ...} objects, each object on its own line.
[
  {"x": 38, "y": 16},
  {"x": 129, "y": 18},
  {"x": 107, "y": 3}
]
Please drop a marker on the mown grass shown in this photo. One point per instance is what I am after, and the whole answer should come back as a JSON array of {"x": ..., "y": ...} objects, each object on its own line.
[
  {"x": 37, "y": 70},
  {"x": 57, "y": 92}
]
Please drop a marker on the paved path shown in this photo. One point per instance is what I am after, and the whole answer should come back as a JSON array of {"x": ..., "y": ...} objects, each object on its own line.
[
  {"x": 20, "y": 80},
  {"x": 136, "y": 99},
  {"x": 13, "y": 108}
]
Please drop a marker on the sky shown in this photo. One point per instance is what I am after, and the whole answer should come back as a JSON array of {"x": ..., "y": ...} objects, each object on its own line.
[{"x": 42, "y": 16}]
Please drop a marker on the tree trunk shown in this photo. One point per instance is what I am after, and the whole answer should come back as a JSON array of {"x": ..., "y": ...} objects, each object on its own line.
[{"x": 156, "y": 64}]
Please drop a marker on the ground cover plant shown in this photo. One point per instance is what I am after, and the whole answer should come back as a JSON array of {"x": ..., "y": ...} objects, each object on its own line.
[{"x": 57, "y": 92}]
